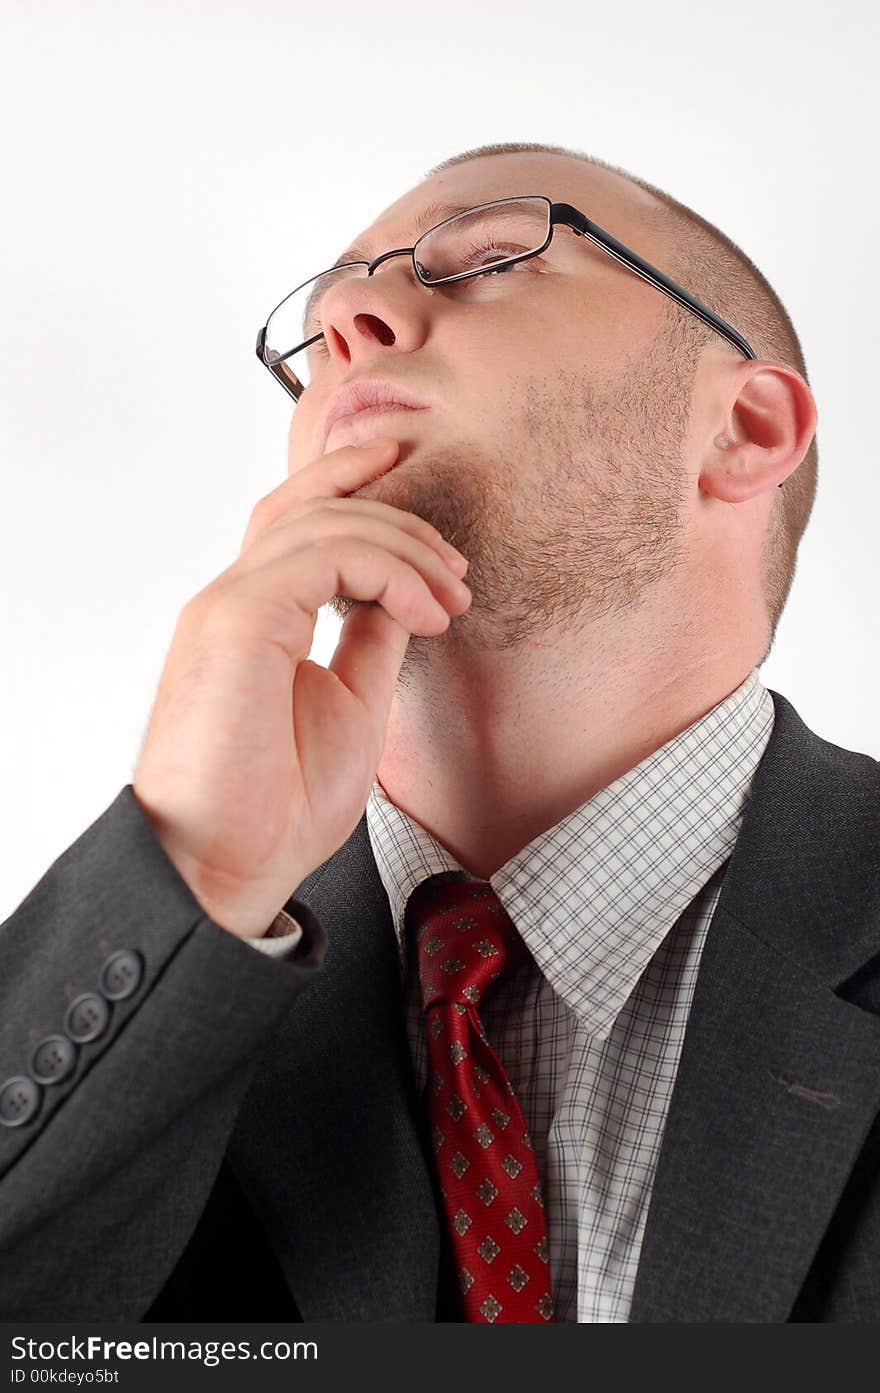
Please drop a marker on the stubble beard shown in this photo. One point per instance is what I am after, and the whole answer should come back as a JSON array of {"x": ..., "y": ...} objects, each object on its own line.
[{"x": 573, "y": 514}]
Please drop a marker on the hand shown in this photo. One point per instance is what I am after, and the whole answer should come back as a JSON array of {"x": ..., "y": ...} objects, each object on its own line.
[{"x": 257, "y": 763}]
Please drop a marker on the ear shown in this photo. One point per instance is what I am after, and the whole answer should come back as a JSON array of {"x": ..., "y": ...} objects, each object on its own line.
[{"x": 769, "y": 422}]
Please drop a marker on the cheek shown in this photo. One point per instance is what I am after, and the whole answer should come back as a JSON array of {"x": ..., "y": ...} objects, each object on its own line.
[
  {"x": 293, "y": 450},
  {"x": 303, "y": 438}
]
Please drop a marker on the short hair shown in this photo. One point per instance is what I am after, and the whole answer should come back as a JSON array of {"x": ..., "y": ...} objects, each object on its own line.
[{"x": 714, "y": 269}]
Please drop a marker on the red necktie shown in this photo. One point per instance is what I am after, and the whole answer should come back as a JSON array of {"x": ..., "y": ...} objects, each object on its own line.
[{"x": 485, "y": 1163}]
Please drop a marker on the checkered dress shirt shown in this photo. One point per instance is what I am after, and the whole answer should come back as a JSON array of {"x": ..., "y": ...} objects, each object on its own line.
[{"x": 613, "y": 903}]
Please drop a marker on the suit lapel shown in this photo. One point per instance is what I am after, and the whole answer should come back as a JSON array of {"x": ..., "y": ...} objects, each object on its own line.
[
  {"x": 778, "y": 1083},
  {"x": 779, "y": 1078},
  {"x": 329, "y": 1143}
]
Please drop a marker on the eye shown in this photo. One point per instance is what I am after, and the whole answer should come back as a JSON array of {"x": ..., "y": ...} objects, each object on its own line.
[{"x": 494, "y": 252}]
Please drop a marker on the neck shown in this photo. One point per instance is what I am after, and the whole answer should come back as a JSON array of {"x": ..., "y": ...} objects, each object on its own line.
[{"x": 488, "y": 750}]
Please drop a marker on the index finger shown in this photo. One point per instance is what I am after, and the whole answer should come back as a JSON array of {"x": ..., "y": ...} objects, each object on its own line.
[
  {"x": 334, "y": 475},
  {"x": 342, "y": 470}
]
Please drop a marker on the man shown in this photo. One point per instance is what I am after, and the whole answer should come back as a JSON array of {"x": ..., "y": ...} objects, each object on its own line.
[{"x": 662, "y": 1105}]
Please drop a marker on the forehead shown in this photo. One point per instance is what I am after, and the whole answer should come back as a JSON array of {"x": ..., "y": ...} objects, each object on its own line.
[{"x": 608, "y": 199}]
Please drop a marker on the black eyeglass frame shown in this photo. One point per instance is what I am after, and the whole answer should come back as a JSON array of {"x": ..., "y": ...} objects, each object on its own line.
[{"x": 563, "y": 214}]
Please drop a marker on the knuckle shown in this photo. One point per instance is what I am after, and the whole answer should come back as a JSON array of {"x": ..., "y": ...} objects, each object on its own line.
[
  {"x": 264, "y": 509},
  {"x": 198, "y": 604},
  {"x": 207, "y": 602}
]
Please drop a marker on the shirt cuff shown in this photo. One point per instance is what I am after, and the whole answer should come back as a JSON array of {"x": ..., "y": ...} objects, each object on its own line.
[{"x": 283, "y": 934}]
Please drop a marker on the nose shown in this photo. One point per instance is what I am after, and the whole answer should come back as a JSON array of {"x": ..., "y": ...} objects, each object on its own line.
[{"x": 367, "y": 316}]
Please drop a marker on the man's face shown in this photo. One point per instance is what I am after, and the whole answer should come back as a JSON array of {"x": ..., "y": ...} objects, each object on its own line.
[{"x": 552, "y": 451}]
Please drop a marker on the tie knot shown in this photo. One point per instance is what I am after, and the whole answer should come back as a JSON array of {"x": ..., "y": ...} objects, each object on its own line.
[{"x": 464, "y": 937}]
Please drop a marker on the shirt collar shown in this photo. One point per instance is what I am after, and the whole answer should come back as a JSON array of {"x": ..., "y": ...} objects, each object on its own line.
[{"x": 594, "y": 896}]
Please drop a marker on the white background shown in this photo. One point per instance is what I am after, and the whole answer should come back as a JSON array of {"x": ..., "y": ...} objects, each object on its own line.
[{"x": 171, "y": 170}]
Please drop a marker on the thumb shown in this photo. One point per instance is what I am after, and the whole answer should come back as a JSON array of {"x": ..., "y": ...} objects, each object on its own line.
[{"x": 368, "y": 659}]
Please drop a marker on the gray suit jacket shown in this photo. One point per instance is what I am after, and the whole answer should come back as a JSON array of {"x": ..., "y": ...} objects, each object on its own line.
[{"x": 243, "y": 1140}]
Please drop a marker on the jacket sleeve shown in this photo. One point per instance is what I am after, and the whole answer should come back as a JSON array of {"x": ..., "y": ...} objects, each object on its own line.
[{"x": 130, "y": 1028}]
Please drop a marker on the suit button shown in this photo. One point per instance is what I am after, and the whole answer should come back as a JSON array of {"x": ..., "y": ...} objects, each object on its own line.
[
  {"x": 121, "y": 974},
  {"x": 19, "y": 1100},
  {"x": 53, "y": 1059},
  {"x": 86, "y": 1018}
]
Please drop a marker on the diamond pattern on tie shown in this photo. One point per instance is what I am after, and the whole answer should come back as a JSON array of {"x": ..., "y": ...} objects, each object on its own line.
[{"x": 488, "y": 1175}]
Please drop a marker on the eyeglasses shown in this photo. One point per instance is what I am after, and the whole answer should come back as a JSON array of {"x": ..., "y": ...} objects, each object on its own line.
[{"x": 507, "y": 231}]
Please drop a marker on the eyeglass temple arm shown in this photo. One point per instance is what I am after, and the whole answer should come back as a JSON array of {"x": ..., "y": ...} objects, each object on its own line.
[
  {"x": 274, "y": 368},
  {"x": 564, "y": 212}
]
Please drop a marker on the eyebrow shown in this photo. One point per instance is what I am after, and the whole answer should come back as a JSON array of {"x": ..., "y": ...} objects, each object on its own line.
[{"x": 434, "y": 213}]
